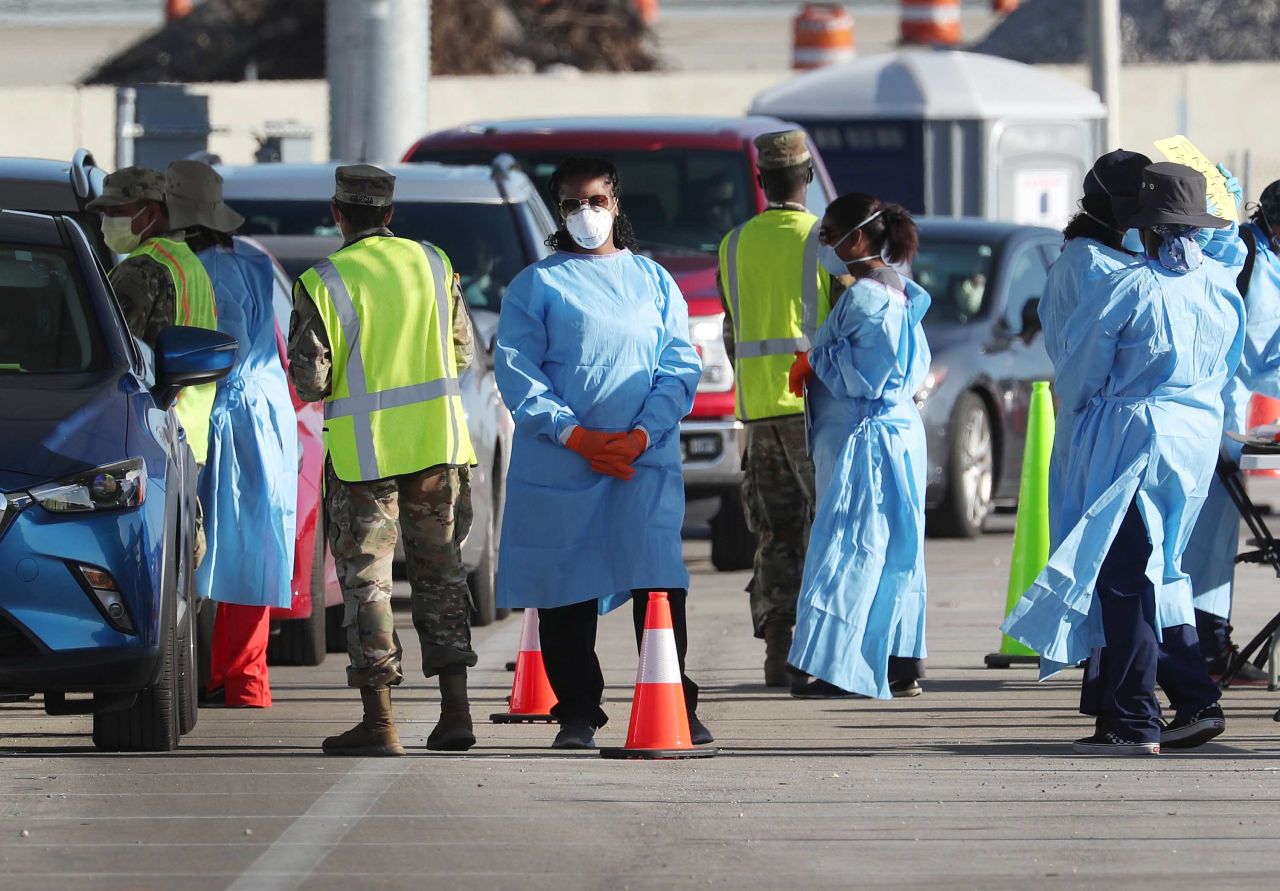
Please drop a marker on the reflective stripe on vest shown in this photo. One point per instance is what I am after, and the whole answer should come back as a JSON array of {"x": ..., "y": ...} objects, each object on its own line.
[
  {"x": 197, "y": 308},
  {"x": 359, "y": 404},
  {"x": 761, "y": 387}
]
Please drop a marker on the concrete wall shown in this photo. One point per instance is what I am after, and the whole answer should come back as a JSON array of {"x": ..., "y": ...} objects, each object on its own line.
[
  {"x": 1225, "y": 108},
  {"x": 54, "y": 121}
]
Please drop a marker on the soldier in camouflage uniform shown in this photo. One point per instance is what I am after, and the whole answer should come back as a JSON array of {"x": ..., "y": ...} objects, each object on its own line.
[
  {"x": 778, "y": 474},
  {"x": 431, "y": 507},
  {"x": 134, "y": 213}
]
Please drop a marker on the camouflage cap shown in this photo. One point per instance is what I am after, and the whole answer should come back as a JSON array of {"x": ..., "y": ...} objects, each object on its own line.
[
  {"x": 788, "y": 148},
  {"x": 128, "y": 185},
  {"x": 363, "y": 184}
]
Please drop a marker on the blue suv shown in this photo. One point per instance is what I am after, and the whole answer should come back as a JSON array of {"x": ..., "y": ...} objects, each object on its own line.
[{"x": 97, "y": 494}]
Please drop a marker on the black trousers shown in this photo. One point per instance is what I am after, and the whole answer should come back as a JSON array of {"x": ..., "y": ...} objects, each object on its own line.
[
  {"x": 1120, "y": 679},
  {"x": 568, "y": 637}
]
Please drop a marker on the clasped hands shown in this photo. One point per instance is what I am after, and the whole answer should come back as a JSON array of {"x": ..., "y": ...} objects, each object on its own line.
[{"x": 611, "y": 454}]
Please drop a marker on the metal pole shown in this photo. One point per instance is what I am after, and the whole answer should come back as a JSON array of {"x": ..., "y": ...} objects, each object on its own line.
[
  {"x": 345, "y": 68},
  {"x": 398, "y": 76},
  {"x": 1104, "y": 63},
  {"x": 126, "y": 125}
]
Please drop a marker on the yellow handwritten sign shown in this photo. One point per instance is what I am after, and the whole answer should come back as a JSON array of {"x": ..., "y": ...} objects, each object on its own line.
[{"x": 1180, "y": 150}]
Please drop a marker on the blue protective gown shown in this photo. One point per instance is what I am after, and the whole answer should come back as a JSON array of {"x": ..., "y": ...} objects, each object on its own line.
[
  {"x": 863, "y": 595},
  {"x": 249, "y": 485},
  {"x": 1210, "y": 556},
  {"x": 1143, "y": 373},
  {"x": 601, "y": 342},
  {"x": 1079, "y": 274}
]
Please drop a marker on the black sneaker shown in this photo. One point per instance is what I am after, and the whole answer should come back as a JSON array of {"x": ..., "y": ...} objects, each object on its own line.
[
  {"x": 1111, "y": 743},
  {"x": 699, "y": 735},
  {"x": 1195, "y": 729},
  {"x": 905, "y": 689},
  {"x": 575, "y": 735},
  {"x": 818, "y": 689}
]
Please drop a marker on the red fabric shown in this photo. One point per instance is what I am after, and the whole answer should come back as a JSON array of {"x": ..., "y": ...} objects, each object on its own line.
[{"x": 239, "y": 657}]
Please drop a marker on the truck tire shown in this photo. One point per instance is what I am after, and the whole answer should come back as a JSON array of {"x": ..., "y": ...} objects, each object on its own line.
[
  {"x": 151, "y": 723},
  {"x": 733, "y": 545},
  {"x": 964, "y": 509},
  {"x": 302, "y": 641}
]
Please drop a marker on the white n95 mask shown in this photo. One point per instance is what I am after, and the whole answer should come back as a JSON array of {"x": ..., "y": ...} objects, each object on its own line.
[
  {"x": 118, "y": 233},
  {"x": 590, "y": 227}
]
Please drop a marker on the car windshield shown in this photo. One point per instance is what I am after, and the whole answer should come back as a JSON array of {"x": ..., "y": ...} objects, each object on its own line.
[
  {"x": 678, "y": 200},
  {"x": 482, "y": 240},
  {"x": 47, "y": 321},
  {"x": 956, "y": 274}
]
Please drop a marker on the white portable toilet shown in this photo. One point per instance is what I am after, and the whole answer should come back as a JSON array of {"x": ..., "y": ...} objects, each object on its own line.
[{"x": 949, "y": 133}]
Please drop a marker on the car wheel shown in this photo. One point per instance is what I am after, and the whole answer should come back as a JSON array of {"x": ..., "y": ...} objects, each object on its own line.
[
  {"x": 733, "y": 545},
  {"x": 970, "y": 472},
  {"x": 188, "y": 673},
  {"x": 151, "y": 723},
  {"x": 484, "y": 581},
  {"x": 302, "y": 641}
]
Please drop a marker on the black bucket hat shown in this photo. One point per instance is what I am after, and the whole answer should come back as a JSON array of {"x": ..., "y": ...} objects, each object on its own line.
[
  {"x": 1117, "y": 177},
  {"x": 1173, "y": 195}
]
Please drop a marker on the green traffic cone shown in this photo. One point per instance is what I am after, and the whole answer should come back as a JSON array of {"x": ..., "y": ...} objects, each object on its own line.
[{"x": 1031, "y": 533}]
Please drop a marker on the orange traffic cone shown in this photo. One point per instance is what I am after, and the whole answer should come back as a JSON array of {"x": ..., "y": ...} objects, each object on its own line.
[
  {"x": 659, "y": 723},
  {"x": 531, "y": 693}
]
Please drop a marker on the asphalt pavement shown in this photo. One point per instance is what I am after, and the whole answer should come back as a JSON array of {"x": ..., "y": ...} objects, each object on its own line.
[{"x": 971, "y": 785}]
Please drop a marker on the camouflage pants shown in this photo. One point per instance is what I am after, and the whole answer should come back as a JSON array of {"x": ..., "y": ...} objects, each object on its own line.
[
  {"x": 363, "y": 521},
  {"x": 778, "y": 498}
]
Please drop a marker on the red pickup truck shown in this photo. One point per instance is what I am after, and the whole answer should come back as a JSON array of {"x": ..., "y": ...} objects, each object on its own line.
[{"x": 685, "y": 183}]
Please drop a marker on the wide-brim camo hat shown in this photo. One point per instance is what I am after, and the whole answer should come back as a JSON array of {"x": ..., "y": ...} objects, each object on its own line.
[
  {"x": 194, "y": 196},
  {"x": 129, "y": 185},
  {"x": 1173, "y": 195}
]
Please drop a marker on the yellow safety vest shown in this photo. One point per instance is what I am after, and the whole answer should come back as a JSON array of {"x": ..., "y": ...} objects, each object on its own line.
[
  {"x": 196, "y": 307},
  {"x": 395, "y": 406},
  {"x": 778, "y": 294}
]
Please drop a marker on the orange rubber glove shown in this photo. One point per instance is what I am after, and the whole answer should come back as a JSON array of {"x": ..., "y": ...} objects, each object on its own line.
[
  {"x": 591, "y": 444},
  {"x": 801, "y": 371},
  {"x": 620, "y": 454}
]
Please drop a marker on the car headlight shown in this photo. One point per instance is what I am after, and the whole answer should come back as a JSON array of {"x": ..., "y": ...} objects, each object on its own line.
[
  {"x": 110, "y": 487},
  {"x": 707, "y": 335}
]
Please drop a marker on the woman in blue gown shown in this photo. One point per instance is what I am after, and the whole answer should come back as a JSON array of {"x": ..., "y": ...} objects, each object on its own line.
[
  {"x": 249, "y": 484},
  {"x": 861, "y": 614},
  {"x": 595, "y": 363},
  {"x": 1142, "y": 372}
]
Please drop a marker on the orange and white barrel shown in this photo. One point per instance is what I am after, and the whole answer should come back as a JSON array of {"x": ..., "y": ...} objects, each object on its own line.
[
  {"x": 931, "y": 22},
  {"x": 1004, "y": 7},
  {"x": 822, "y": 34}
]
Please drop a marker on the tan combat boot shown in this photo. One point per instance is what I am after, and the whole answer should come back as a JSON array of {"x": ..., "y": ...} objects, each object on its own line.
[
  {"x": 777, "y": 644},
  {"x": 375, "y": 735},
  {"x": 454, "y": 731}
]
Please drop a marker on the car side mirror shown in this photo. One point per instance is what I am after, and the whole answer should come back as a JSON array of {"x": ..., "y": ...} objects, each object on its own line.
[
  {"x": 188, "y": 357},
  {"x": 1031, "y": 319}
]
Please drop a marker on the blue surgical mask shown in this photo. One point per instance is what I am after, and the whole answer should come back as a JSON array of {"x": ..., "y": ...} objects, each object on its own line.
[{"x": 1133, "y": 242}]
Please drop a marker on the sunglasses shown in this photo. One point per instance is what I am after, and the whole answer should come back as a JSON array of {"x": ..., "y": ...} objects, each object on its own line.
[
  {"x": 570, "y": 205},
  {"x": 826, "y": 236}
]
